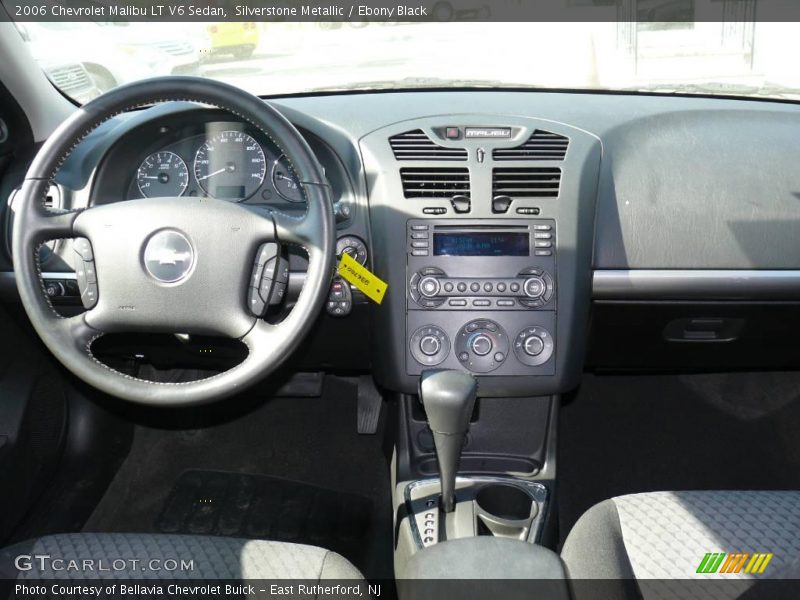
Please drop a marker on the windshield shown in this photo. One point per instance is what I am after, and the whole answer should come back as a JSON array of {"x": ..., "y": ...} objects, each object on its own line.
[{"x": 732, "y": 58}]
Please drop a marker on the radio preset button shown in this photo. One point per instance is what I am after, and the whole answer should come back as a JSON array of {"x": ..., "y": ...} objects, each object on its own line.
[
  {"x": 501, "y": 287},
  {"x": 514, "y": 287},
  {"x": 488, "y": 287},
  {"x": 475, "y": 286},
  {"x": 462, "y": 287},
  {"x": 448, "y": 287}
]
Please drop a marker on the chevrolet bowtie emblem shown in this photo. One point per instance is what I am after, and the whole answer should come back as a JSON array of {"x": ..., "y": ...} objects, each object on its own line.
[{"x": 168, "y": 256}]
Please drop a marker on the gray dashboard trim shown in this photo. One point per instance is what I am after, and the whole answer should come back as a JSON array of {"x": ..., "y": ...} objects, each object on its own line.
[{"x": 696, "y": 284}]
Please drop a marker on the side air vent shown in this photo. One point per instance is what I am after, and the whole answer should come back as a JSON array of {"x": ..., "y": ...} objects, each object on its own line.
[
  {"x": 425, "y": 182},
  {"x": 416, "y": 145},
  {"x": 542, "y": 145},
  {"x": 526, "y": 182},
  {"x": 70, "y": 78}
]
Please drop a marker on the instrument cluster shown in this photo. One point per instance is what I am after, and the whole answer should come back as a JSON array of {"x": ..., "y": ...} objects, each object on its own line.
[{"x": 226, "y": 161}]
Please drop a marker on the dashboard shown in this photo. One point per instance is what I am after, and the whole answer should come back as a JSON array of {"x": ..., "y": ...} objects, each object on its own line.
[{"x": 524, "y": 236}]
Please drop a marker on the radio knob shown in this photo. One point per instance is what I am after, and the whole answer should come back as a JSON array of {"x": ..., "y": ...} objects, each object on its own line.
[
  {"x": 429, "y": 286},
  {"x": 533, "y": 345},
  {"x": 481, "y": 345},
  {"x": 430, "y": 345},
  {"x": 535, "y": 287}
]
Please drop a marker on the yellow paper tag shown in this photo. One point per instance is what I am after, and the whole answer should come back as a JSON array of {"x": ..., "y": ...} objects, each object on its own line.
[{"x": 361, "y": 277}]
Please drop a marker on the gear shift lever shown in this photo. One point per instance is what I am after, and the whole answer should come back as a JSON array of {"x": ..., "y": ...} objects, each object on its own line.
[{"x": 448, "y": 398}]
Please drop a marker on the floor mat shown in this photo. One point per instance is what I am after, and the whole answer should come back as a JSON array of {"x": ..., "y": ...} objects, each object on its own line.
[
  {"x": 309, "y": 440},
  {"x": 263, "y": 507},
  {"x": 627, "y": 434}
]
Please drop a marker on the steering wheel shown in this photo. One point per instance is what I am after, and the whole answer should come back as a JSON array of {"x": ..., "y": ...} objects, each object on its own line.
[{"x": 179, "y": 264}]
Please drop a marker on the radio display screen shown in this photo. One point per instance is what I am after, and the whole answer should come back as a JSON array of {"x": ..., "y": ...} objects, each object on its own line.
[{"x": 506, "y": 243}]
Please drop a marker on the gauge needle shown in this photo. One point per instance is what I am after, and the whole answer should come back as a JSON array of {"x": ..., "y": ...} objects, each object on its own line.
[{"x": 217, "y": 172}]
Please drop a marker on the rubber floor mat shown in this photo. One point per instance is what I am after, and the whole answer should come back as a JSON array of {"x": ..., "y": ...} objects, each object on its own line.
[{"x": 263, "y": 507}]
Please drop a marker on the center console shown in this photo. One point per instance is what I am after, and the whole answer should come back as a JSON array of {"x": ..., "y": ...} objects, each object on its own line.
[{"x": 481, "y": 296}]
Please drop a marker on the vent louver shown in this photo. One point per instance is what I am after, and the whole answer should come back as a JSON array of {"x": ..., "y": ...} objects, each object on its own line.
[
  {"x": 416, "y": 145},
  {"x": 423, "y": 182},
  {"x": 542, "y": 145},
  {"x": 526, "y": 182}
]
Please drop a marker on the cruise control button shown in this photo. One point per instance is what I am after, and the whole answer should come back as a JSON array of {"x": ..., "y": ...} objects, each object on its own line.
[
  {"x": 89, "y": 295},
  {"x": 83, "y": 248},
  {"x": 88, "y": 267}
]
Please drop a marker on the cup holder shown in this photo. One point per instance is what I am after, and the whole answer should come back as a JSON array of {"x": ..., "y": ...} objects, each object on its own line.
[{"x": 505, "y": 501}]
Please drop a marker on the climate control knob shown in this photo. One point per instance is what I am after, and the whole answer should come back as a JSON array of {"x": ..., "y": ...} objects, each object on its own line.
[
  {"x": 430, "y": 345},
  {"x": 533, "y": 345},
  {"x": 429, "y": 286},
  {"x": 535, "y": 287},
  {"x": 481, "y": 344}
]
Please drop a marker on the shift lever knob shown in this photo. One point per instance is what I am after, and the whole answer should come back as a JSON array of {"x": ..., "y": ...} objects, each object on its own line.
[{"x": 448, "y": 398}]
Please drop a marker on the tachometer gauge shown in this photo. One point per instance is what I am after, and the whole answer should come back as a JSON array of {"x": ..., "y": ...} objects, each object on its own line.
[
  {"x": 285, "y": 181},
  {"x": 163, "y": 174},
  {"x": 230, "y": 165}
]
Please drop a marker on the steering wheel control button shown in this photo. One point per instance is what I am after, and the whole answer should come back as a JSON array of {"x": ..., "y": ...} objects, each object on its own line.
[
  {"x": 83, "y": 248},
  {"x": 481, "y": 346},
  {"x": 168, "y": 256},
  {"x": 277, "y": 294},
  {"x": 534, "y": 346},
  {"x": 89, "y": 295},
  {"x": 340, "y": 299},
  {"x": 429, "y": 345}
]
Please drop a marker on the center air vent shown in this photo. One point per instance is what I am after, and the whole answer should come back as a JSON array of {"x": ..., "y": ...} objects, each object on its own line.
[
  {"x": 416, "y": 145},
  {"x": 526, "y": 182},
  {"x": 423, "y": 182},
  {"x": 542, "y": 145}
]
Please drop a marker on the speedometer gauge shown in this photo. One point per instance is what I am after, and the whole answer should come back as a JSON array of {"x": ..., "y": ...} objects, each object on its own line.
[
  {"x": 230, "y": 165},
  {"x": 162, "y": 174}
]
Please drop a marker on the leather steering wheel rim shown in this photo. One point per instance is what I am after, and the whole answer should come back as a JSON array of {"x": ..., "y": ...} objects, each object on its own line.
[{"x": 121, "y": 229}]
